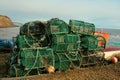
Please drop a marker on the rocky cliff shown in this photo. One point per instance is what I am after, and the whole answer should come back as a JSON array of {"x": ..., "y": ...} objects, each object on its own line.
[{"x": 5, "y": 21}]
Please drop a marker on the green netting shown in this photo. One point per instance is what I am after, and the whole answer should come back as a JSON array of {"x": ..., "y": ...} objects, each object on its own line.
[
  {"x": 61, "y": 61},
  {"x": 75, "y": 57},
  {"x": 57, "y": 26},
  {"x": 36, "y": 58},
  {"x": 81, "y": 27},
  {"x": 89, "y": 42},
  {"x": 73, "y": 46},
  {"x": 60, "y": 47},
  {"x": 93, "y": 42},
  {"x": 16, "y": 71},
  {"x": 89, "y": 28},
  {"x": 76, "y": 26},
  {"x": 24, "y": 41},
  {"x": 65, "y": 38},
  {"x": 72, "y": 38},
  {"x": 65, "y": 61},
  {"x": 58, "y": 38}
]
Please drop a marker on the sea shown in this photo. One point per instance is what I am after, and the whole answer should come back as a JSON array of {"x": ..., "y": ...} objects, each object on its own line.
[{"x": 114, "y": 39}]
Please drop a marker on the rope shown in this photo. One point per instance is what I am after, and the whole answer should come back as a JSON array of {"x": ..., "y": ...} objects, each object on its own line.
[
  {"x": 26, "y": 41},
  {"x": 34, "y": 63},
  {"x": 68, "y": 58},
  {"x": 59, "y": 60},
  {"x": 37, "y": 44},
  {"x": 29, "y": 27},
  {"x": 42, "y": 39}
]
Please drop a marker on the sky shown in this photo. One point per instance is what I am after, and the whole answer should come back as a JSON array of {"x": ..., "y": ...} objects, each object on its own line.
[{"x": 103, "y": 13}]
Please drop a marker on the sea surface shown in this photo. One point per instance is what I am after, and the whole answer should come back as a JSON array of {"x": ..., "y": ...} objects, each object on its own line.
[
  {"x": 9, "y": 33},
  {"x": 114, "y": 39}
]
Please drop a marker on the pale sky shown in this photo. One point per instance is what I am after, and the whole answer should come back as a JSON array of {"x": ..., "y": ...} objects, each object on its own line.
[{"x": 103, "y": 13}]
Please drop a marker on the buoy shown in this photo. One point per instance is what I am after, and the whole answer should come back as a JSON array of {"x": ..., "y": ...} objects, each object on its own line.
[
  {"x": 114, "y": 59},
  {"x": 50, "y": 69}
]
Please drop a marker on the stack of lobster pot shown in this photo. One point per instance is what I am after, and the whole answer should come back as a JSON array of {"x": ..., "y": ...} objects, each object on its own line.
[
  {"x": 54, "y": 44},
  {"x": 64, "y": 44},
  {"x": 90, "y": 44},
  {"x": 31, "y": 51}
]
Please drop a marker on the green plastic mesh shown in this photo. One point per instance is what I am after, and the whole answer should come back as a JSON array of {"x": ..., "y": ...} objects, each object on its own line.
[
  {"x": 58, "y": 38},
  {"x": 91, "y": 42},
  {"x": 36, "y": 58},
  {"x": 81, "y": 27},
  {"x": 72, "y": 38},
  {"x": 24, "y": 41},
  {"x": 65, "y": 61},
  {"x": 57, "y": 26}
]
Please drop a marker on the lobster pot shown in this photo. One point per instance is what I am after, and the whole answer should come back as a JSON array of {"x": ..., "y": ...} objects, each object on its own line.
[
  {"x": 58, "y": 43},
  {"x": 73, "y": 47},
  {"x": 81, "y": 27},
  {"x": 91, "y": 58},
  {"x": 65, "y": 42},
  {"x": 36, "y": 58},
  {"x": 73, "y": 42},
  {"x": 60, "y": 47},
  {"x": 72, "y": 38},
  {"x": 57, "y": 26},
  {"x": 76, "y": 26},
  {"x": 17, "y": 71},
  {"x": 75, "y": 57},
  {"x": 65, "y": 38},
  {"x": 61, "y": 62},
  {"x": 89, "y": 28},
  {"x": 65, "y": 61},
  {"x": 25, "y": 41},
  {"x": 91, "y": 42},
  {"x": 33, "y": 28},
  {"x": 58, "y": 38}
]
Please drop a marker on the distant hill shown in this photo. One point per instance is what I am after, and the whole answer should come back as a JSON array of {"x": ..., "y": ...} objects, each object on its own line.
[{"x": 5, "y": 21}]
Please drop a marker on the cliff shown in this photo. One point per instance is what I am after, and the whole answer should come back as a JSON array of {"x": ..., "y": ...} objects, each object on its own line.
[{"x": 5, "y": 21}]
